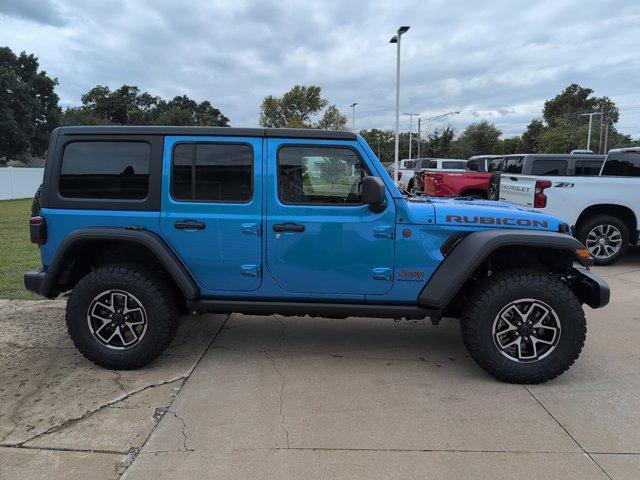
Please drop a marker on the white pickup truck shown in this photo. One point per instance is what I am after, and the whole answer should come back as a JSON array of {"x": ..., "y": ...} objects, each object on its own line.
[{"x": 603, "y": 210}]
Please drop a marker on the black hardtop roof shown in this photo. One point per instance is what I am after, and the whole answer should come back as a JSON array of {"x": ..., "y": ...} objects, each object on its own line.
[
  {"x": 210, "y": 131},
  {"x": 557, "y": 155}
]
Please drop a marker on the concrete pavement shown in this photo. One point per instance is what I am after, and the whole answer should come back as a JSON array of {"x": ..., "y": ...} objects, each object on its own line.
[{"x": 276, "y": 397}]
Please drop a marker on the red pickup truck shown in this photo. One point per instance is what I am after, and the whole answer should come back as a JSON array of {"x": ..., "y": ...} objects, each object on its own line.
[{"x": 474, "y": 182}]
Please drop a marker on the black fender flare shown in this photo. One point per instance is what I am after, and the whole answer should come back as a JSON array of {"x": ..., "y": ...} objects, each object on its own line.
[
  {"x": 158, "y": 247},
  {"x": 473, "y": 249}
]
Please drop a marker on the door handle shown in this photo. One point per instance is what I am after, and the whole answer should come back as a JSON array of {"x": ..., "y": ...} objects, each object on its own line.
[
  {"x": 190, "y": 225},
  {"x": 288, "y": 227}
]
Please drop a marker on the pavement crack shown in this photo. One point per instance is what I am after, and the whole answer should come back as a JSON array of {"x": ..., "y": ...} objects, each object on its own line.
[
  {"x": 87, "y": 414},
  {"x": 131, "y": 457},
  {"x": 183, "y": 431},
  {"x": 282, "y": 385},
  {"x": 589, "y": 456}
]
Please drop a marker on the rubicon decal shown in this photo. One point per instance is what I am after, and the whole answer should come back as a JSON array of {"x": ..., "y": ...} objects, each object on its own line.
[{"x": 510, "y": 222}]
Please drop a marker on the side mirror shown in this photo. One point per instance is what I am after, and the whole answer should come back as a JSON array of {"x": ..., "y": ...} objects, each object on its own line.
[{"x": 372, "y": 193}]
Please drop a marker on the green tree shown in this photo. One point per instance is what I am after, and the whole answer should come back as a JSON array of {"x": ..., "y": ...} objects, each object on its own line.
[
  {"x": 332, "y": 170},
  {"x": 297, "y": 108},
  {"x": 439, "y": 143},
  {"x": 511, "y": 145},
  {"x": 573, "y": 101},
  {"x": 531, "y": 136},
  {"x": 480, "y": 138},
  {"x": 28, "y": 105},
  {"x": 128, "y": 106},
  {"x": 332, "y": 119},
  {"x": 381, "y": 142}
]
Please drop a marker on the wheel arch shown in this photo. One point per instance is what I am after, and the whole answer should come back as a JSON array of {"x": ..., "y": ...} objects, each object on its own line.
[
  {"x": 483, "y": 252},
  {"x": 624, "y": 213},
  {"x": 84, "y": 249}
]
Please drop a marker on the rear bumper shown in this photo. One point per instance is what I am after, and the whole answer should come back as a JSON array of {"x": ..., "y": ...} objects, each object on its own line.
[
  {"x": 590, "y": 288},
  {"x": 40, "y": 282}
]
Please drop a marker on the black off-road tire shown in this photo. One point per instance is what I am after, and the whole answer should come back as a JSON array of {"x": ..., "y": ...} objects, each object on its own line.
[
  {"x": 36, "y": 206},
  {"x": 499, "y": 291},
  {"x": 493, "y": 192},
  {"x": 586, "y": 227},
  {"x": 411, "y": 186},
  {"x": 155, "y": 295}
]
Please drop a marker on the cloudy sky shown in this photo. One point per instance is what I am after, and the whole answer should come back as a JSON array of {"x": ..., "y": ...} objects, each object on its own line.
[{"x": 493, "y": 60}]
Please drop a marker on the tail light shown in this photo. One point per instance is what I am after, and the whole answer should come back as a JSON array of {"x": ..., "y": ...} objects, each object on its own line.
[
  {"x": 38, "y": 230},
  {"x": 399, "y": 175},
  {"x": 437, "y": 182},
  {"x": 539, "y": 198}
]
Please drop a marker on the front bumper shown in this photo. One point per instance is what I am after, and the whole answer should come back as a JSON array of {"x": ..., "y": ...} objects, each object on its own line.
[
  {"x": 41, "y": 283},
  {"x": 590, "y": 288}
]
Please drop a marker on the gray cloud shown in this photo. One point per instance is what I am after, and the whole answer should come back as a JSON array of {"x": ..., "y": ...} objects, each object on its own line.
[
  {"x": 498, "y": 60},
  {"x": 40, "y": 11}
]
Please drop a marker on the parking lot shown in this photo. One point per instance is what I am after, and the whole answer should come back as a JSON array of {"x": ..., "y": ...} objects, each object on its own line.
[{"x": 269, "y": 397}]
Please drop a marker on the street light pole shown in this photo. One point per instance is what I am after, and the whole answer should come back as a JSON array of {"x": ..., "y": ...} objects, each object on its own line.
[
  {"x": 396, "y": 39},
  {"x": 590, "y": 115},
  {"x": 353, "y": 117},
  {"x": 411, "y": 115},
  {"x": 419, "y": 141}
]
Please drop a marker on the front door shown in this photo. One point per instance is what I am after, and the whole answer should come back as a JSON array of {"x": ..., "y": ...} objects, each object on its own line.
[
  {"x": 212, "y": 209},
  {"x": 320, "y": 237}
]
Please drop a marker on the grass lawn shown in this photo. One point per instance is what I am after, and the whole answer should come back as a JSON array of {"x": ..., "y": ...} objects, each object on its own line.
[{"x": 17, "y": 253}]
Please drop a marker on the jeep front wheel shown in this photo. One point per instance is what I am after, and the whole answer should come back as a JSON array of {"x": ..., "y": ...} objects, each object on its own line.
[
  {"x": 121, "y": 316},
  {"x": 523, "y": 326}
]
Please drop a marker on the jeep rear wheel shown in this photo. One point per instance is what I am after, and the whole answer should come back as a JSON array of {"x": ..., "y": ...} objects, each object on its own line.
[
  {"x": 606, "y": 237},
  {"x": 121, "y": 316},
  {"x": 523, "y": 326}
]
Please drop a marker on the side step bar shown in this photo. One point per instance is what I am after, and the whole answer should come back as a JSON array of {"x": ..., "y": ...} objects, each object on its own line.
[{"x": 312, "y": 309}]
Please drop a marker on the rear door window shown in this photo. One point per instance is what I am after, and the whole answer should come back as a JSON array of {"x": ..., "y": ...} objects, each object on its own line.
[
  {"x": 105, "y": 170},
  {"x": 496, "y": 164},
  {"x": 472, "y": 165},
  {"x": 514, "y": 165},
  {"x": 212, "y": 172},
  {"x": 433, "y": 164},
  {"x": 549, "y": 167},
  {"x": 587, "y": 168},
  {"x": 623, "y": 164},
  {"x": 454, "y": 165}
]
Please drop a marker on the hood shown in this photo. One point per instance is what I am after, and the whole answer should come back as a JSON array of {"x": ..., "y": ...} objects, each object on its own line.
[{"x": 459, "y": 212}]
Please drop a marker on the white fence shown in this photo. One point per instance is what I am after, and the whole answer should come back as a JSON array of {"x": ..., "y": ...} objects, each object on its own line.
[{"x": 19, "y": 182}]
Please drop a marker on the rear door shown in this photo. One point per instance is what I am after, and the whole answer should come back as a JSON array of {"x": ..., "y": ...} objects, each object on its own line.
[
  {"x": 212, "y": 209},
  {"x": 320, "y": 237}
]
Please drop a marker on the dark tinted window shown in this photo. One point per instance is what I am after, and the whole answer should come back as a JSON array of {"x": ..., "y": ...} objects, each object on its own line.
[
  {"x": 433, "y": 164},
  {"x": 212, "y": 172},
  {"x": 319, "y": 175},
  {"x": 496, "y": 164},
  {"x": 588, "y": 167},
  {"x": 109, "y": 170},
  {"x": 458, "y": 165},
  {"x": 549, "y": 167},
  {"x": 623, "y": 164},
  {"x": 409, "y": 164},
  {"x": 514, "y": 165},
  {"x": 472, "y": 165}
]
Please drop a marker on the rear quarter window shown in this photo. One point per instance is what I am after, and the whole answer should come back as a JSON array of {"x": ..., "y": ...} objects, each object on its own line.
[
  {"x": 105, "y": 170},
  {"x": 514, "y": 165},
  {"x": 549, "y": 167},
  {"x": 586, "y": 168}
]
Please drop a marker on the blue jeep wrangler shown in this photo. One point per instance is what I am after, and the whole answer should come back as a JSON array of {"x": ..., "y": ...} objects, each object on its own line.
[{"x": 141, "y": 224}]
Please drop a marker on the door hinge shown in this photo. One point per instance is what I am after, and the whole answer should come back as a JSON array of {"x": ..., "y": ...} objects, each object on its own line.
[
  {"x": 381, "y": 273},
  {"x": 384, "y": 232},
  {"x": 251, "y": 228},
  {"x": 250, "y": 270}
]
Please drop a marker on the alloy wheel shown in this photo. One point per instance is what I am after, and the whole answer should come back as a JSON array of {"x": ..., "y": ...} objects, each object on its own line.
[
  {"x": 117, "y": 319},
  {"x": 604, "y": 241},
  {"x": 526, "y": 330}
]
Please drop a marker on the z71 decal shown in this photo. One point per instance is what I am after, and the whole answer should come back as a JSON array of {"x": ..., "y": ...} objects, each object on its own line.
[{"x": 510, "y": 222}]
